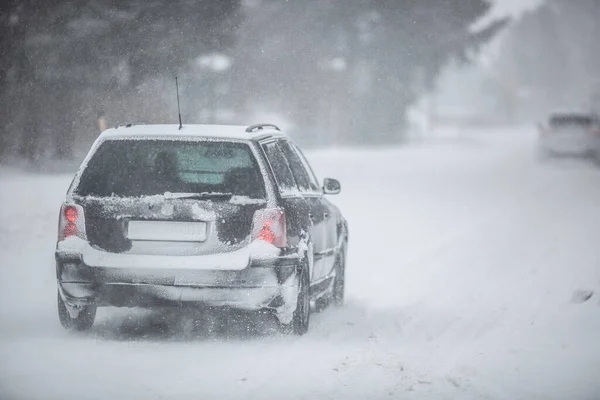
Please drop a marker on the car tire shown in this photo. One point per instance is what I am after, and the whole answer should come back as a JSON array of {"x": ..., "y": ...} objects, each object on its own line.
[
  {"x": 301, "y": 319},
  {"x": 339, "y": 283},
  {"x": 82, "y": 322}
]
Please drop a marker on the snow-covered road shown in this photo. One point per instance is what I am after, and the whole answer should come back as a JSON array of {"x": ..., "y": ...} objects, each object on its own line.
[{"x": 465, "y": 261}]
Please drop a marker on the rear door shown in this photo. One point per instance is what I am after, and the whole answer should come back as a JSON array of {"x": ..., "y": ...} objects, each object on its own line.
[
  {"x": 323, "y": 233},
  {"x": 296, "y": 208}
]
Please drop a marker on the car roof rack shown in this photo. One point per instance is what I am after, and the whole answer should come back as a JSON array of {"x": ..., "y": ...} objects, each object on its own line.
[
  {"x": 257, "y": 127},
  {"x": 129, "y": 124}
]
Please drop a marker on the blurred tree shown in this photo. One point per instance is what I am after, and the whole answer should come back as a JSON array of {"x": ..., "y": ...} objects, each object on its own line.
[
  {"x": 551, "y": 57},
  {"x": 16, "y": 72},
  {"x": 65, "y": 62},
  {"x": 364, "y": 62},
  {"x": 352, "y": 67}
]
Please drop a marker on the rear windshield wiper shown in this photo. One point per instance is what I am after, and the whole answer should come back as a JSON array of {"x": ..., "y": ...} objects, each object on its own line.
[{"x": 198, "y": 196}]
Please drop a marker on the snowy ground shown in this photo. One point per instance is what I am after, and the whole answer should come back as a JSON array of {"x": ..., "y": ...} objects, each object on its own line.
[{"x": 465, "y": 261}]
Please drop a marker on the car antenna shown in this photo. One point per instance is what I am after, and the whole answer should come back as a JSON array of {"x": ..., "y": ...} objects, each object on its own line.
[{"x": 178, "y": 108}]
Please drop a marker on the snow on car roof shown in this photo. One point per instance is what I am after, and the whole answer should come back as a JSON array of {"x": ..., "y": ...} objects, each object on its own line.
[{"x": 237, "y": 132}]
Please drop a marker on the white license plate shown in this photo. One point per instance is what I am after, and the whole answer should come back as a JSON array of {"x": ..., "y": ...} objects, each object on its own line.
[{"x": 170, "y": 231}]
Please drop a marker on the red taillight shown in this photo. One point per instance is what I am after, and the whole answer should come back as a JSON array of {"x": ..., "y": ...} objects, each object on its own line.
[
  {"x": 269, "y": 226},
  {"x": 71, "y": 214},
  {"x": 71, "y": 222},
  {"x": 266, "y": 234}
]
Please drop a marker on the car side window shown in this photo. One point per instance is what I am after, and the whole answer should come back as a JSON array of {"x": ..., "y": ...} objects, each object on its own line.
[
  {"x": 313, "y": 181},
  {"x": 297, "y": 166},
  {"x": 281, "y": 170}
]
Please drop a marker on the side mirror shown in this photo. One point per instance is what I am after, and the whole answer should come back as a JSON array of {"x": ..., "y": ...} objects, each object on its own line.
[{"x": 331, "y": 186}]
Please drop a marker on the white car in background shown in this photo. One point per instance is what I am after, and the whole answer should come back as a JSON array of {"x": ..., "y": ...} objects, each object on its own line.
[{"x": 570, "y": 134}]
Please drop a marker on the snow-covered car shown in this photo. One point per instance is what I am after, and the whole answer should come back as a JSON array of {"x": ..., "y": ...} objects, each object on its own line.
[
  {"x": 570, "y": 134},
  {"x": 202, "y": 216}
]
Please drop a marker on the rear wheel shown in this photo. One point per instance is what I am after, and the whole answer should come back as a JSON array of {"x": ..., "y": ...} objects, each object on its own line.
[
  {"x": 83, "y": 321},
  {"x": 301, "y": 318},
  {"x": 339, "y": 284}
]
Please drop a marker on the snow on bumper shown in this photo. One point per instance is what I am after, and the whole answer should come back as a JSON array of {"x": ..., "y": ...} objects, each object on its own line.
[
  {"x": 239, "y": 259},
  {"x": 252, "y": 278}
]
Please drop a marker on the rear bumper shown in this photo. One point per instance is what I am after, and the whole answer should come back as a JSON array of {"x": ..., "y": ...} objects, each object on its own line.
[{"x": 267, "y": 284}]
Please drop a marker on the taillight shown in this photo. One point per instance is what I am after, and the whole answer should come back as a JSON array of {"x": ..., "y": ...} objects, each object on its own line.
[
  {"x": 71, "y": 222},
  {"x": 268, "y": 225},
  {"x": 71, "y": 214},
  {"x": 266, "y": 234}
]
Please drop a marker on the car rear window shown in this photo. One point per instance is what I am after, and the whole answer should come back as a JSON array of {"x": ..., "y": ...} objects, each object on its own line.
[
  {"x": 570, "y": 120},
  {"x": 132, "y": 168}
]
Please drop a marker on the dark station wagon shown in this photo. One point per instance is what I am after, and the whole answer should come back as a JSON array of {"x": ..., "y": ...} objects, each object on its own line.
[{"x": 202, "y": 216}]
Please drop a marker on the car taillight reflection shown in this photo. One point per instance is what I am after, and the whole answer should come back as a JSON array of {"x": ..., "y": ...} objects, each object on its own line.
[{"x": 70, "y": 230}]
